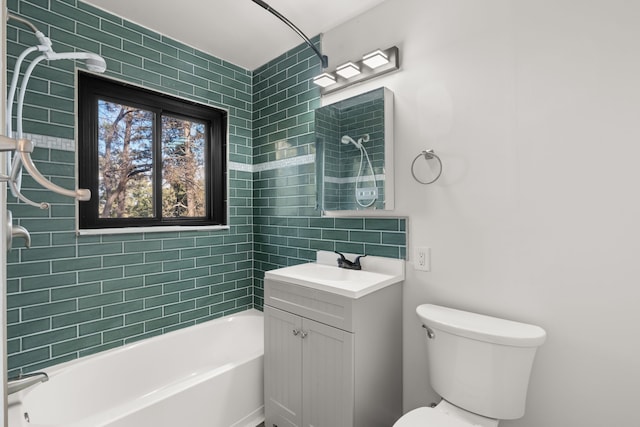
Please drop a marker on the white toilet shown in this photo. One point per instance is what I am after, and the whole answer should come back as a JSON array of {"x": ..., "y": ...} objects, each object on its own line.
[{"x": 479, "y": 365}]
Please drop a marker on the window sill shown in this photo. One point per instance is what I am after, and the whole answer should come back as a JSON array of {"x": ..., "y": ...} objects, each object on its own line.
[{"x": 162, "y": 229}]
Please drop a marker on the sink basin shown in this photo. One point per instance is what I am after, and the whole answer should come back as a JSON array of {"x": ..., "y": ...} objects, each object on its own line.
[{"x": 341, "y": 281}]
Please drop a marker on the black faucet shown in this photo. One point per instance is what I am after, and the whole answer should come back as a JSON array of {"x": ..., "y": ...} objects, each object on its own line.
[{"x": 343, "y": 262}]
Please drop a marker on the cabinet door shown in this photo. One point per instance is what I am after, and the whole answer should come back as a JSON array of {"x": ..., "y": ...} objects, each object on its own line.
[
  {"x": 282, "y": 368},
  {"x": 327, "y": 376}
]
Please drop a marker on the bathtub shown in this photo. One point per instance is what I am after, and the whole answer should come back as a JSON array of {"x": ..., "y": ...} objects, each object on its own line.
[{"x": 209, "y": 375}]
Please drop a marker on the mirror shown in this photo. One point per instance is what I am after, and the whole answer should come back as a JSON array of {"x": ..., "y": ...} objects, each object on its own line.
[{"x": 354, "y": 153}]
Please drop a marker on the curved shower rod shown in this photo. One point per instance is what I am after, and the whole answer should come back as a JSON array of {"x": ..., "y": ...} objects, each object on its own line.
[{"x": 323, "y": 58}]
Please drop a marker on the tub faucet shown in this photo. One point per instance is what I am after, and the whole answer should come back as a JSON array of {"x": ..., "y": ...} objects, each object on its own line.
[
  {"x": 19, "y": 231},
  {"x": 19, "y": 383},
  {"x": 14, "y": 231},
  {"x": 343, "y": 262}
]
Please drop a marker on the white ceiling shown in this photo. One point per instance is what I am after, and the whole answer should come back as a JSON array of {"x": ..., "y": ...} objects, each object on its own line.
[{"x": 238, "y": 31}]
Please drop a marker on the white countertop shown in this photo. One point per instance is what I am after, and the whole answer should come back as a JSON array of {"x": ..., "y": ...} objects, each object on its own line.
[{"x": 324, "y": 275}]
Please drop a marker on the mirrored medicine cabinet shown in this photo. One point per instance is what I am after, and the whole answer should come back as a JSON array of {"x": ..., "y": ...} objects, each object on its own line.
[{"x": 354, "y": 155}]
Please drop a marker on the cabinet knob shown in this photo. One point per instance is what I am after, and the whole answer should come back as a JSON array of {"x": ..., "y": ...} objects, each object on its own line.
[
  {"x": 296, "y": 332},
  {"x": 304, "y": 334}
]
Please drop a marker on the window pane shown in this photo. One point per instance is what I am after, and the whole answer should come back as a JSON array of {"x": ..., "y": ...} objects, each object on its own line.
[
  {"x": 183, "y": 168},
  {"x": 125, "y": 161}
]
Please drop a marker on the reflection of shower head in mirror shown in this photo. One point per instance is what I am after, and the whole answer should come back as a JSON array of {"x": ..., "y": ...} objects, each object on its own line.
[
  {"x": 359, "y": 181},
  {"x": 348, "y": 140}
]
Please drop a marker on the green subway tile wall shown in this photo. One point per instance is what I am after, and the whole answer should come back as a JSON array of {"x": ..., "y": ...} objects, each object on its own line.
[
  {"x": 71, "y": 296},
  {"x": 327, "y": 128},
  {"x": 288, "y": 228}
]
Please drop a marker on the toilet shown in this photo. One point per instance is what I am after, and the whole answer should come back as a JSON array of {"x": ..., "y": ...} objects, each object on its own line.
[{"x": 479, "y": 365}]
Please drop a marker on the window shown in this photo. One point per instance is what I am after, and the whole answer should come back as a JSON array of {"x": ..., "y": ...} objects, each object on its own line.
[{"x": 149, "y": 159}]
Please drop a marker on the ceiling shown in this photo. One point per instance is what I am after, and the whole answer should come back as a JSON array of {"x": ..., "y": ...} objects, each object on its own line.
[{"x": 237, "y": 31}]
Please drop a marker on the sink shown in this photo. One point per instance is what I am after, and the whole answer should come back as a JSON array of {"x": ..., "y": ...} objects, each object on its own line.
[{"x": 324, "y": 275}]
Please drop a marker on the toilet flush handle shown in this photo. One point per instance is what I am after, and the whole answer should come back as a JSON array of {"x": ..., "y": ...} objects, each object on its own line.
[{"x": 430, "y": 334}]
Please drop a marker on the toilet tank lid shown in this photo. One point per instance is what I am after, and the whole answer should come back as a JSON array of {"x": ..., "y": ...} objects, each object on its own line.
[{"x": 481, "y": 327}]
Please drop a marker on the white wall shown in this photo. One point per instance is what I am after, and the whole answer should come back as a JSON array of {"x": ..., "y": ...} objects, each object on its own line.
[{"x": 534, "y": 107}]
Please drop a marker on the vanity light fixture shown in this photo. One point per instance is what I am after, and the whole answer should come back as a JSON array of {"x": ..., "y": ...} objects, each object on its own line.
[
  {"x": 324, "y": 80},
  {"x": 348, "y": 70},
  {"x": 375, "y": 59},
  {"x": 374, "y": 64}
]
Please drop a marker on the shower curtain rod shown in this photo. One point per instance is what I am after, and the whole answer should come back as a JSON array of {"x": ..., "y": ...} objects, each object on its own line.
[{"x": 323, "y": 58}]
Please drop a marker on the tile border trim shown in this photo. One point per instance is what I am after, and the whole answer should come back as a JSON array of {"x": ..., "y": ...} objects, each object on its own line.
[{"x": 64, "y": 144}]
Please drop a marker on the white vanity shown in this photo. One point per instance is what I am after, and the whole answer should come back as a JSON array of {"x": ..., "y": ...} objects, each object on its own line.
[{"x": 333, "y": 344}]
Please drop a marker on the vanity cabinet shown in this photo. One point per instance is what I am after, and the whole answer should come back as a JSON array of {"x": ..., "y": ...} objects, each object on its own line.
[
  {"x": 310, "y": 368},
  {"x": 332, "y": 360}
]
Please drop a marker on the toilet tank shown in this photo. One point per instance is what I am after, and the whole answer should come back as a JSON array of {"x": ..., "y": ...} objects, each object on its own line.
[{"x": 480, "y": 363}]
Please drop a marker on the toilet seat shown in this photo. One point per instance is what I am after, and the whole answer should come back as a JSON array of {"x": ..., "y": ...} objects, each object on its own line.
[
  {"x": 427, "y": 417},
  {"x": 443, "y": 415}
]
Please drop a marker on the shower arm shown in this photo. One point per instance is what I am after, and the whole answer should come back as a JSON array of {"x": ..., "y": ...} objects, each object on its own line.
[
  {"x": 24, "y": 21},
  {"x": 323, "y": 58},
  {"x": 44, "y": 40}
]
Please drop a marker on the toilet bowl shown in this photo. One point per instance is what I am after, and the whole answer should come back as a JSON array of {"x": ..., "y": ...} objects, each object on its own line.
[
  {"x": 479, "y": 365},
  {"x": 443, "y": 415}
]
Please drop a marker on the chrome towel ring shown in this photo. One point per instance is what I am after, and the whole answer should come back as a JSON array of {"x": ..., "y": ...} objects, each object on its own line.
[{"x": 428, "y": 155}]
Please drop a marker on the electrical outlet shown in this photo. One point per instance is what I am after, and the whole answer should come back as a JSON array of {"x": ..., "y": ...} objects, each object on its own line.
[{"x": 422, "y": 259}]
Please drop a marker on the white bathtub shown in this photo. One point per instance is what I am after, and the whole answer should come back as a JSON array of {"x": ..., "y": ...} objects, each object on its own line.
[{"x": 209, "y": 375}]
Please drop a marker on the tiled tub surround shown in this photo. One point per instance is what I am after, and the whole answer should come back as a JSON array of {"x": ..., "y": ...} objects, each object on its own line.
[{"x": 71, "y": 296}]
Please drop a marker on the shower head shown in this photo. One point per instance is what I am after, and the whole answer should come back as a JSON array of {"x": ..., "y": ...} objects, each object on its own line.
[
  {"x": 348, "y": 140},
  {"x": 97, "y": 65},
  {"x": 92, "y": 61}
]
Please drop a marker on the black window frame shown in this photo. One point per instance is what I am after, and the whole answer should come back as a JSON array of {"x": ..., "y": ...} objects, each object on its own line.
[{"x": 92, "y": 88}]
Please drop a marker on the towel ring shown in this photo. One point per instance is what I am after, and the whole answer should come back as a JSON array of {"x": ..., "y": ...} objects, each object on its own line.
[{"x": 428, "y": 155}]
